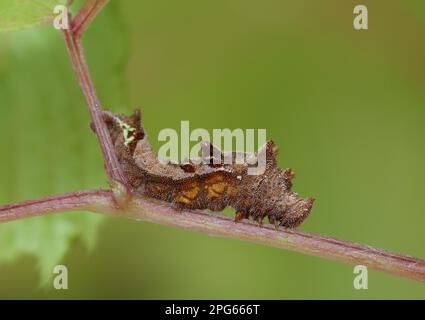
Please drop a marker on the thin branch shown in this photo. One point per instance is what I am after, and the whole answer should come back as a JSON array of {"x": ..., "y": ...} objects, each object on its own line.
[
  {"x": 76, "y": 53},
  {"x": 219, "y": 225},
  {"x": 88, "y": 200},
  {"x": 86, "y": 15}
]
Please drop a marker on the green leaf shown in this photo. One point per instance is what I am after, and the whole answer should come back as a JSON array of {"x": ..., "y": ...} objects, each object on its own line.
[
  {"x": 46, "y": 144},
  {"x": 21, "y": 14}
]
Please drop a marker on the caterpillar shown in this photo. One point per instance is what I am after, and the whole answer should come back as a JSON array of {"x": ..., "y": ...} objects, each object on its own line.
[{"x": 211, "y": 185}]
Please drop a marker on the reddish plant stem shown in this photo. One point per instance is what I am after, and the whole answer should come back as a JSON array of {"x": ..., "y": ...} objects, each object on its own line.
[
  {"x": 76, "y": 53},
  {"x": 86, "y": 15},
  {"x": 219, "y": 225},
  {"x": 79, "y": 200}
]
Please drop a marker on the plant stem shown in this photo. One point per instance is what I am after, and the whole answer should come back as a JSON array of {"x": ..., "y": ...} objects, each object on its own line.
[
  {"x": 76, "y": 53},
  {"x": 102, "y": 201},
  {"x": 86, "y": 15},
  {"x": 80, "y": 200}
]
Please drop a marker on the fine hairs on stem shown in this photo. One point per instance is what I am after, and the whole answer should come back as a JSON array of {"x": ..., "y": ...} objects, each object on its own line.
[{"x": 119, "y": 201}]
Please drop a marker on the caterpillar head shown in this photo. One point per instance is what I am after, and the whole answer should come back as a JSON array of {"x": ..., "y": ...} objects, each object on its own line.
[{"x": 294, "y": 210}]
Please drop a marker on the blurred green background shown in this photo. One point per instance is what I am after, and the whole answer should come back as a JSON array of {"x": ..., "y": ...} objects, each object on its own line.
[{"x": 346, "y": 108}]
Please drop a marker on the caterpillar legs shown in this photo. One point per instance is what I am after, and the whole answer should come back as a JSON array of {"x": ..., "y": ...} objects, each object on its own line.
[{"x": 241, "y": 215}]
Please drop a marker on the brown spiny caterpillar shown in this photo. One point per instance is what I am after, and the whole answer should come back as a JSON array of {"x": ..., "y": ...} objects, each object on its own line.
[{"x": 209, "y": 185}]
